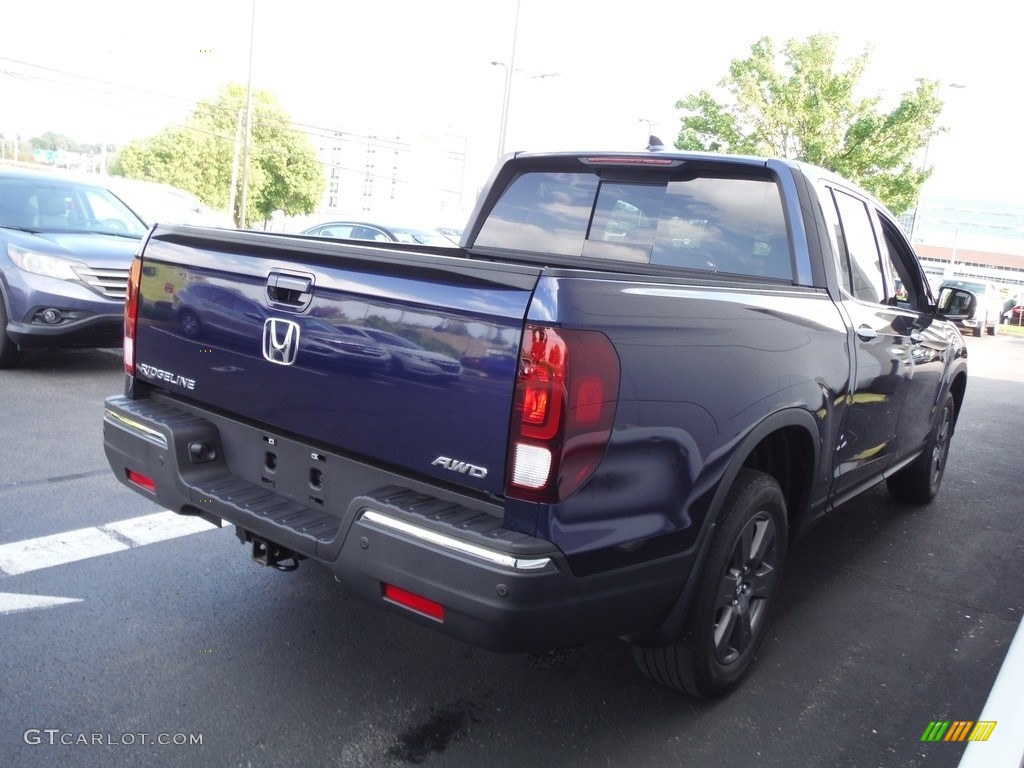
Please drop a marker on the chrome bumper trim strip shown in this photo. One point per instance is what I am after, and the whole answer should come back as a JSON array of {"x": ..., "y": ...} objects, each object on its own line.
[
  {"x": 148, "y": 432},
  {"x": 439, "y": 539}
]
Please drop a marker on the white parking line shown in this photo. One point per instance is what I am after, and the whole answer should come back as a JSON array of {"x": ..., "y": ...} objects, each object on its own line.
[
  {"x": 71, "y": 546},
  {"x": 157, "y": 527},
  {"x": 13, "y": 603}
]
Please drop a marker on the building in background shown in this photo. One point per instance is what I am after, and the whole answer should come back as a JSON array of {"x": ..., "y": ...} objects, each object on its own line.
[
  {"x": 961, "y": 237},
  {"x": 391, "y": 178}
]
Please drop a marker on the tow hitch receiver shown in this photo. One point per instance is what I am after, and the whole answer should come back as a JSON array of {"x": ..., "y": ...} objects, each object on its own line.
[{"x": 268, "y": 553}]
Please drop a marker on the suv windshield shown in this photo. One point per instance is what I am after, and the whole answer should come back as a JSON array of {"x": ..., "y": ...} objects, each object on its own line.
[{"x": 59, "y": 205}]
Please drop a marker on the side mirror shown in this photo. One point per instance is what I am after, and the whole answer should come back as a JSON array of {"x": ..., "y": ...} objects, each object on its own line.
[{"x": 956, "y": 303}]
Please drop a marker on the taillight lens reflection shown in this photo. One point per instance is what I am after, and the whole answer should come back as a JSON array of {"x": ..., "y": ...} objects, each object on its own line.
[{"x": 131, "y": 311}]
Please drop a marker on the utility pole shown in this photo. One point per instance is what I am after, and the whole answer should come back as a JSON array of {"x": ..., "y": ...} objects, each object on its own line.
[
  {"x": 242, "y": 222},
  {"x": 233, "y": 191}
]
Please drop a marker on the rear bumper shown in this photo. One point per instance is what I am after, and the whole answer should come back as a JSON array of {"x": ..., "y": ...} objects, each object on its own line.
[{"x": 497, "y": 589}]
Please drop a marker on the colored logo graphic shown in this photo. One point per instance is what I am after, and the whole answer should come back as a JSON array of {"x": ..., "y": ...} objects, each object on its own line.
[{"x": 958, "y": 730}]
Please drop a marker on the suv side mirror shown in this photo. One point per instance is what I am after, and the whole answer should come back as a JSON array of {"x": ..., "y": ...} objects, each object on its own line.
[{"x": 956, "y": 303}]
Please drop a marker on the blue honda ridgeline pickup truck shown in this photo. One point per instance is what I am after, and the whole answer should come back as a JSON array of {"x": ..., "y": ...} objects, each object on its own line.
[{"x": 608, "y": 413}]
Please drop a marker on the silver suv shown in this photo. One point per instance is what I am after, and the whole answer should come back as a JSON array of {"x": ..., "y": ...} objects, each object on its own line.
[{"x": 65, "y": 248}]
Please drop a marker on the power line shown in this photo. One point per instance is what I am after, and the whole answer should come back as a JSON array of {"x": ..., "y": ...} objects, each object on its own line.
[
  {"x": 113, "y": 95},
  {"x": 94, "y": 84}
]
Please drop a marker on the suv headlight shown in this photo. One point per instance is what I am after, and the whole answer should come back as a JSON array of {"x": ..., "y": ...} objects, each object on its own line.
[{"x": 43, "y": 263}]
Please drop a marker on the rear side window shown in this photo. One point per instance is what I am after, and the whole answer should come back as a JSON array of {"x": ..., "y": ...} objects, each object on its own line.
[
  {"x": 876, "y": 264},
  {"x": 862, "y": 272},
  {"x": 713, "y": 223}
]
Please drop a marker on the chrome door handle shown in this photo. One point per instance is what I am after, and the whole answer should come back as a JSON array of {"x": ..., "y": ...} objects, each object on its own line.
[{"x": 866, "y": 333}]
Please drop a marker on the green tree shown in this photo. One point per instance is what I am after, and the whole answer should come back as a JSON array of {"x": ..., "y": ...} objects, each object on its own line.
[
  {"x": 283, "y": 170},
  {"x": 183, "y": 158},
  {"x": 58, "y": 141},
  {"x": 797, "y": 104}
]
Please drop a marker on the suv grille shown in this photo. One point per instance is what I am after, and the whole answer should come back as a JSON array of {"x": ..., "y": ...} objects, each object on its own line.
[{"x": 112, "y": 283}]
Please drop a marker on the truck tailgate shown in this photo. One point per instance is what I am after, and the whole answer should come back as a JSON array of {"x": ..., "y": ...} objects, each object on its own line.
[{"x": 405, "y": 358}]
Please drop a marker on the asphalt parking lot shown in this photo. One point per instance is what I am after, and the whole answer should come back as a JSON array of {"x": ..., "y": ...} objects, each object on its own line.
[{"x": 177, "y": 650}]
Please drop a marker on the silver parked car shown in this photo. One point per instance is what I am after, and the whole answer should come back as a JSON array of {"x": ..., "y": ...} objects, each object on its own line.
[{"x": 359, "y": 230}]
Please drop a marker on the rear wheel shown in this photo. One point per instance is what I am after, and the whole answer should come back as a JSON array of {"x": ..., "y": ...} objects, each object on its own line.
[
  {"x": 9, "y": 352},
  {"x": 919, "y": 482},
  {"x": 737, "y": 588}
]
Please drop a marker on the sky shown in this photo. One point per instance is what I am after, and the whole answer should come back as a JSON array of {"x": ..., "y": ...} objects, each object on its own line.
[{"x": 586, "y": 75}]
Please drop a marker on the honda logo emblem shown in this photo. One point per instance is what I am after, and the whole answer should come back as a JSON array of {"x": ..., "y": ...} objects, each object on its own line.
[{"x": 280, "y": 341}]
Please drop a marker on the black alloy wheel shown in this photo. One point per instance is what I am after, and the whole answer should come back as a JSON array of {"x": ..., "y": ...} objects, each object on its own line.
[
  {"x": 738, "y": 584},
  {"x": 919, "y": 481},
  {"x": 744, "y": 590}
]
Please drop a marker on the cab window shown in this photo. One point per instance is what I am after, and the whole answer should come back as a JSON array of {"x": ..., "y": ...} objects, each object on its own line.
[{"x": 874, "y": 262}]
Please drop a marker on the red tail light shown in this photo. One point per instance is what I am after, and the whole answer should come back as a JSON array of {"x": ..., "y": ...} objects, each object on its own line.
[
  {"x": 131, "y": 311},
  {"x": 566, "y": 391}
]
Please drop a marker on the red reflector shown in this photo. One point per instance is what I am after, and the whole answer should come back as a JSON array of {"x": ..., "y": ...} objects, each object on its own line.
[
  {"x": 421, "y": 605},
  {"x": 145, "y": 483}
]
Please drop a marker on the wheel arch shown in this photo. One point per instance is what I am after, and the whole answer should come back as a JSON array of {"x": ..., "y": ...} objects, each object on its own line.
[
  {"x": 958, "y": 388},
  {"x": 786, "y": 446},
  {"x": 788, "y": 449}
]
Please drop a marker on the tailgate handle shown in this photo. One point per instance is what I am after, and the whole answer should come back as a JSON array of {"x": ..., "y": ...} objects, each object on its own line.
[{"x": 294, "y": 291}]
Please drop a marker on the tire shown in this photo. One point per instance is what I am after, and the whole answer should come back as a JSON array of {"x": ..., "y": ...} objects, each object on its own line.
[
  {"x": 9, "y": 352},
  {"x": 728, "y": 619},
  {"x": 919, "y": 481},
  {"x": 976, "y": 332},
  {"x": 992, "y": 329}
]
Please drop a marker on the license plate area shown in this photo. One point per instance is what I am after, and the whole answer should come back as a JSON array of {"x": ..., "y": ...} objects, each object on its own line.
[
  {"x": 294, "y": 470},
  {"x": 283, "y": 466}
]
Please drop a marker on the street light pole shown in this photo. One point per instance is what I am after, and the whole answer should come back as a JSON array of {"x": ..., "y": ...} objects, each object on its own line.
[
  {"x": 650, "y": 128},
  {"x": 509, "y": 69},
  {"x": 924, "y": 166},
  {"x": 504, "y": 106}
]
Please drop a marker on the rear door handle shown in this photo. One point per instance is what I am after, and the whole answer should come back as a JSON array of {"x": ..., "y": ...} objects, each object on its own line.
[{"x": 866, "y": 333}]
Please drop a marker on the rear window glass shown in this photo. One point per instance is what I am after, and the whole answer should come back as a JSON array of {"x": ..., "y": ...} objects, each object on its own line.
[
  {"x": 542, "y": 212},
  {"x": 714, "y": 223}
]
